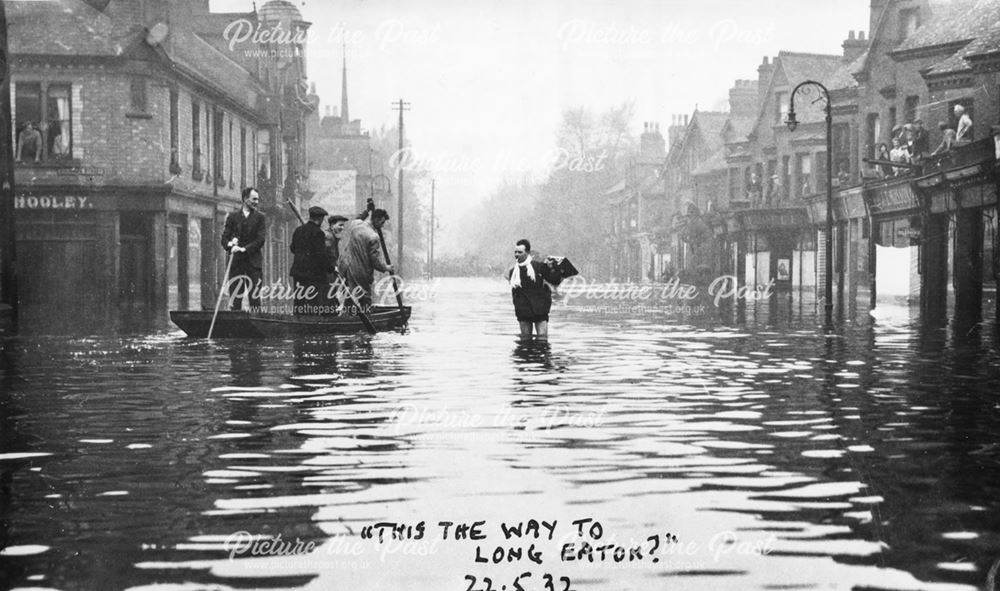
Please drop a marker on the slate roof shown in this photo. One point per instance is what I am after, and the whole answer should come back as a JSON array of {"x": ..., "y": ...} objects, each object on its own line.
[
  {"x": 716, "y": 163},
  {"x": 810, "y": 66},
  {"x": 843, "y": 77},
  {"x": 60, "y": 27},
  {"x": 955, "y": 21},
  {"x": 741, "y": 127},
  {"x": 212, "y": 67},
  {"x": 711, "y": 123},
  {"x": 987, "y": 43}
]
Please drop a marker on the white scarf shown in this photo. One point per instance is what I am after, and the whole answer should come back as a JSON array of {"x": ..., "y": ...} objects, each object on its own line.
[{"x": 515, "y": 274}]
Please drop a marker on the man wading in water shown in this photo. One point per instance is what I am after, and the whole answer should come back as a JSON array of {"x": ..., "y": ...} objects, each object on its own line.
[{"x": 529, "y": 288}]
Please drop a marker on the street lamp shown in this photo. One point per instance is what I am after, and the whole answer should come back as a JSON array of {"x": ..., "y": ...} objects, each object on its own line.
[{"x": 792, "y": 123}]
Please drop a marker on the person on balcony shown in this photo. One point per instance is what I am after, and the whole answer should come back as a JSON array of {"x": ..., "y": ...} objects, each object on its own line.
[
  {"x": 882, "y": 153},
  {"x": 947, "y": 139},
  {"x": 963, "y": 132},
  {"x": 898, "y": 154},
  {"x": 755, "y": 190},
  {"x": 918, "y": 144}
]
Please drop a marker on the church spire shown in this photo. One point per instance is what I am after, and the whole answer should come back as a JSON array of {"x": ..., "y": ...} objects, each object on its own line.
[{"x": 344, "y": 113}]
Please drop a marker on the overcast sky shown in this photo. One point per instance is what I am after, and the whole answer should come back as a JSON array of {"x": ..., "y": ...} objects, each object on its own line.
[{"x": 488, "y": 79}]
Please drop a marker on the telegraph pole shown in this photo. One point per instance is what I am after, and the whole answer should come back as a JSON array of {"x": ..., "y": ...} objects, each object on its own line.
[
  {"x": 431, "y": 261},
  {"x": 400, "y": 106},
  {"x": 8, "y": 274}
]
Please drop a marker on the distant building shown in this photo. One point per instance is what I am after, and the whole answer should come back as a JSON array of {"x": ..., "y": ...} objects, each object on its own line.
[
  {"x": 341, "y": 162},
  {"x": 636, "y": 209},
  {"x": 136, "y": 125}
]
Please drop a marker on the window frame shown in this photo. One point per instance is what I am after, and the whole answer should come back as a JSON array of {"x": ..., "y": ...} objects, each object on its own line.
[{"x": 42, "y": 111}]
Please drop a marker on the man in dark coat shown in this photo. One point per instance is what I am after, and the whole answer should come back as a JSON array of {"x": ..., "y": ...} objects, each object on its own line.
[
  {"x": 243, "y": 238},
  {"x": 311, "y": 264},
  {"x": 530, "y": 292},
  {"x": 920, "y": 144}
]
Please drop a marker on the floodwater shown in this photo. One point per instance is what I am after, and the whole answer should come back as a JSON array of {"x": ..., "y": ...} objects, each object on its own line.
[{"x": 692, "y": 453}]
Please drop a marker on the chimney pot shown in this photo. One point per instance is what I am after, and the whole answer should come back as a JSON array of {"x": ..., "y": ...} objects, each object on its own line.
[
  {"x": 850, "y": 35},
  {"x": 861, "y": 35}
]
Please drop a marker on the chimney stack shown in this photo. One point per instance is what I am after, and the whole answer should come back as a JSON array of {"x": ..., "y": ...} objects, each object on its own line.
[
  {"x": 652, "y": 148},
  {"x": 764, "y": 72},
  {"x": 854, "y": 47},
  {"x": 675, "y": 133},
  {"x": 743, "y": 97}
]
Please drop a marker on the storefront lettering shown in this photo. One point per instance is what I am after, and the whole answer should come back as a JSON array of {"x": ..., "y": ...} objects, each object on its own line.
[
  {"x": 67, "y": 202},
  {"x": 894, "y": 198}
]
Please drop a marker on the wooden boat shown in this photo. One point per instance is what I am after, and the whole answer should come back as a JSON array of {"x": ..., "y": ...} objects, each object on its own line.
[{"x": 235, "y": 324}]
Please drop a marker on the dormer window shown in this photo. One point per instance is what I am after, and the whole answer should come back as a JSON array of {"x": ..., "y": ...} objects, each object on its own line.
[{"x": 909, "y": 22}]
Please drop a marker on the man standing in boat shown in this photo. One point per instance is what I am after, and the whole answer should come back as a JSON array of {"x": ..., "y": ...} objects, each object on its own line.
[
  {"x": 529, "y": 288},
  {"x": 310, "y": 265},
  {"x": 243, "y": 238},
  {"x": 361, "y": 255}
]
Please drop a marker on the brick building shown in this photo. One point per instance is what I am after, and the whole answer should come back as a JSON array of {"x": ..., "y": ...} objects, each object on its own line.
[
  {"x": 637, "y": 209},
  {"x": 919, "y": 234},
  {"x": 136, "y": 126}
]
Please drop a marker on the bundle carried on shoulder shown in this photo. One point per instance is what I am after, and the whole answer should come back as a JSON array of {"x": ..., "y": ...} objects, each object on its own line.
[{"x": 561, "y": 267}]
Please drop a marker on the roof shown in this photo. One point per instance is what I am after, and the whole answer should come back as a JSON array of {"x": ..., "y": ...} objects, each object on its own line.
[
  {"x": 711, "y": 124},
  {"x": 279, "y": 10},
  {"x": 715, "y": 163},
  {"x": 987, "y": 43},
  {"x": 60, "y": 27},
  {"x": 954, "y": 22},
  {"x": 809, "y": 66},
  {"x": 740, "y": 127},
  {"x": 799, "y": 67},
  {"x": 212, "y": 67},
  {"x": 843, "y": 77}
]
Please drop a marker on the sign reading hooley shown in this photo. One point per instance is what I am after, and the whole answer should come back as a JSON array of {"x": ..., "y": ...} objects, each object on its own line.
[{"x": 53, "y": 202}]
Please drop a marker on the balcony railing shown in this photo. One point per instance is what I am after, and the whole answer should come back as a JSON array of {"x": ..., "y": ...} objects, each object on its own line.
[{"x": 960, "y": 156}]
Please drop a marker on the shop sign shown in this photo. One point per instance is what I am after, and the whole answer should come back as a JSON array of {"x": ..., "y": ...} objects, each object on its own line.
[{"x": 53, "y": 202}]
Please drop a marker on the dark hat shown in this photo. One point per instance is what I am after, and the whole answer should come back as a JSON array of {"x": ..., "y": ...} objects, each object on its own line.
[
  {"x": 335, "y": 219},
  {"x": 317, "y": 212}
]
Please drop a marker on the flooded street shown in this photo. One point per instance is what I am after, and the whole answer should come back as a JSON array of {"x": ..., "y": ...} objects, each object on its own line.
[{"x": 714, "y": 456}]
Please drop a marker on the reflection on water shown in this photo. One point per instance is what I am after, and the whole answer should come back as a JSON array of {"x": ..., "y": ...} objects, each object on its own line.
[{"x": 777, "y": 456}]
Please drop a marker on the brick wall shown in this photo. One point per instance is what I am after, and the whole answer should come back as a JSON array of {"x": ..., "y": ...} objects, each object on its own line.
[{"x": 130, "y": 146}]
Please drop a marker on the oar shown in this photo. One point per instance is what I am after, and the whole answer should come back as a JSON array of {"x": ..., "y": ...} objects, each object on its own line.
[
  {"x": 365, "y": 320},
  {"x": 218, "y": 302},
  {"x": 395, "y": 284}
]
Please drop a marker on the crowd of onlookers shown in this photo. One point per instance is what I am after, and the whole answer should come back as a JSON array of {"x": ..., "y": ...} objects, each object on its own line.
[{"x": 911, "y": 145}]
